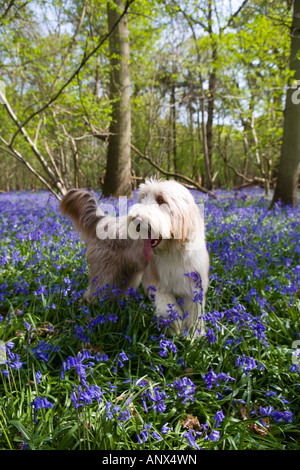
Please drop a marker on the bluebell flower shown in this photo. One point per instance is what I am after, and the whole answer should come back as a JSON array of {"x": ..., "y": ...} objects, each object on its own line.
[
  {"x": 13, "y": 360},
  {"x": 156, "y": 436},
  {"x": 248, "y": 364},
  {"x": 270, "y": 393},
  {"x": 198, "y": 292},
  {"x": 24, "y": 445},
  {"x": 38, "y": 376},
  {"x": 122, "y": 357},
  {"x": 219, "y": 416},
  {"x": 278, "y": 416},
  {"x": 211, "y": 379},
  {"x": 285, "y": 416},
  {"x": 28, "y": 326},
  {"x": 81, "y": 363},
  {"x": 124, "y": 415},
  {"x": 144, "y": 434},
  {"x": 185, "y": 389},
  {"x": 85, "y": 395},
  {"x": 171, "y": 317},
  {"x": 191, "y": 436},
  {"x": 180, "y": 360},
  {"x": 80, "y": 333},
  {"x": 43, "y": 349},
  {"x": 112, "y": 387},
  {"x": 42, "y": 290},
  {"x": 165, "y": 429},
  {"x": 103, "y": 357},
  {"x": 214, "y": 435},
  {"x": 111, "y": 410},
  {"x": 210, "y": 335},
  {"x": 154, "y": 397},
  {"x": 38, "y": 403},
  {"x": 166, "y": 344},
  {"x": 119, "y": 361}
]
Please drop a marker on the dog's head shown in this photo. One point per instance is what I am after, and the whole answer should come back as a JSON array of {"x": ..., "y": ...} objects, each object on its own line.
[{"x": 166, "y": 210}]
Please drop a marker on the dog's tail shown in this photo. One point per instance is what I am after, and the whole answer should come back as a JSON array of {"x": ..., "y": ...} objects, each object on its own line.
[{"x": 81, "y": 207}]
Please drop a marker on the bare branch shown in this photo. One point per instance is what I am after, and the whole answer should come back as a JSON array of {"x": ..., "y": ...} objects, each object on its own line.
[
  {"x": 72, "y": 42},
  {"x": 184, "y": 178},
  {"x": 59, "y": 184},
  {"x": 16, "y": 154},
  {"x": 235, "y": 14}
]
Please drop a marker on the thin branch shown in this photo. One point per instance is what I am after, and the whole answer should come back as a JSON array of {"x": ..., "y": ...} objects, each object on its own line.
[
  {"x": 235, "y": 14},
  {"x": 13, "y": 152},
  {"x": 238, "y": 173},
  {"x": 58, "y": 184},
  {"x": 173, "y": 175},
  {"x": 72, "y": 42},
  {"x": 249, "y": 181},
  {"x": 9, "y": 7},
  {"x": 52, "y": 160}
]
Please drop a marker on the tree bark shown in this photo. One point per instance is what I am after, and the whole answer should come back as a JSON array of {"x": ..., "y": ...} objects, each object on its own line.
[
  {"x": 173, "y": 121},
  {"x": 117, "y": 179},
  {"x": 211, "y": 98},
  {"x": 289, "y": 163},
  {"x": 209, "y": 127}
]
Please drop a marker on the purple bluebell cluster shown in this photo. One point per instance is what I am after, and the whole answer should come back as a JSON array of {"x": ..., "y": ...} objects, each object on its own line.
[
  {"x": 43, "y": 349},
  {"x": 248, "y": 364},
  {"x": 277, "y": 415},
  {"x": 38, "y": 403},
  {"x": 213, "y": 380},
  {"x": 191, "y": 436},
  {"x": 154, "y": 399},
  {"x": 12, "y": 360},
  {"x": 185, "y": 389},
  {"x": 82, "y": 364},
  {"x": 85, "y": 395},
  {"x": 206, "y": 433}
]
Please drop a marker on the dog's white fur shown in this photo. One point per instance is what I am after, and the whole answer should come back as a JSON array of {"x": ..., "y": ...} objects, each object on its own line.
[
  {"x": 118, "y": 256},
  {"x": 174, "y": 217}
]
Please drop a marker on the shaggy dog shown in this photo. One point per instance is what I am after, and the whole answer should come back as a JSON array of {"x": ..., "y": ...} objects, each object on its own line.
[
  {"x": 162, "y": 241},
  {"x": 176, "y": 249},
  {"x": 114, "y": 259}
]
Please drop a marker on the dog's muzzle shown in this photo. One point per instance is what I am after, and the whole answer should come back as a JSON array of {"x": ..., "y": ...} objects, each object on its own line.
[{"x": 151, "y": 240}]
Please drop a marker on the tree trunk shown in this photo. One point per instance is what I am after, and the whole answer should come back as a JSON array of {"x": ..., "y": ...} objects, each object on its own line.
[
  {"x": 211, "y": 99},
  {"x": 117, "y": 179},
  {"x": 173, "y": 121},
  {"x": 209, "y": 125},
  {"x": 288, "y": 170}
]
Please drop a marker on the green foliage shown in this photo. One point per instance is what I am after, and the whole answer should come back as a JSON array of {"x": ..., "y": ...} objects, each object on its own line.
[{"x": 174, "y": 48}]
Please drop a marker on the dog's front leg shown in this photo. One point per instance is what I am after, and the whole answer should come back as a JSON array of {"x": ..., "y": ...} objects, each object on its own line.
[
  {"x": 193, "y": 322},
  {"x": 168, "y": 312}
]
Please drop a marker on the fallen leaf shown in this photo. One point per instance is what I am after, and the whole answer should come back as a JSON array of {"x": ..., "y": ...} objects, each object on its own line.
[
  {"x": 191, "y": 422},
  {"x": 256, "y": 428}
]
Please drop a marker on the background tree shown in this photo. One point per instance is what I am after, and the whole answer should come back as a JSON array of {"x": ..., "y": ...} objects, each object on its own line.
[
  {"x": 117, "y": 179},
  {"x": 288, "y": 170}
]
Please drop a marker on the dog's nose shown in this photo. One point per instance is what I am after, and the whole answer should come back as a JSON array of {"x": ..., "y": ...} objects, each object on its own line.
[
  {"x": 137, "y": 218},
  {"x": 137, "y": 221}
]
